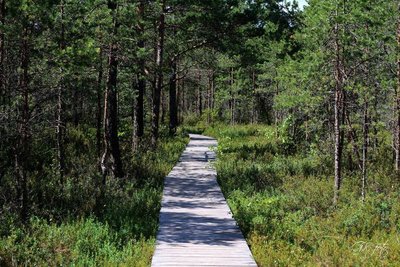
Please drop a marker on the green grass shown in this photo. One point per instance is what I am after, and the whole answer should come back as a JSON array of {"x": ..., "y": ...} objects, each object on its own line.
[{"x": 281, "y": 197}]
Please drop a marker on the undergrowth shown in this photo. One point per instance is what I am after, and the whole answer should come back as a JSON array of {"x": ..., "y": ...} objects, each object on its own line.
[
  {"x": 67, "y": 227},
  {"x": 281, "y": 196}
]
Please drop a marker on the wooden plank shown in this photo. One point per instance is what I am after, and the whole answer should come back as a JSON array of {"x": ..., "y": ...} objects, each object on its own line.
[{"x": 196, "y": 224}]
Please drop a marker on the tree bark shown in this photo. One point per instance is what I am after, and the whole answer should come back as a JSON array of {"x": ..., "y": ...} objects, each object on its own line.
[
  {"x": 111, "y": 159},
  {"x": 99, "y": 106},
  {"x": 2, "y": 52},
  {"x": 199, "y": 96},
  {"x": 22, "y": 145},
  {"x": 365, "y": 150},
  {"x": 232, "y": 82},
  {"x": 183, "y": 100},
  {"x": 397, "y": 131},
  {"x": 173, "y": 108},
  {"x": 338, "y": 110},
  {"x": 253, "y": 102},
  {"x": 158, "y": 76},
  {"x": 163, "y": 106},
  {"x": 209, "y": 96},
  {"x": 138, "y": 129}
]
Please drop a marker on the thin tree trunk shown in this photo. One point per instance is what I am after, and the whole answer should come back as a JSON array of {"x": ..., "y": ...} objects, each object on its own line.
[
  {"x": 75, "y": 112},
  {"x": 22, "y": 146},
  {"x": 353, "y": 136},
  {"x": 209, "y": 97},
  {"x": 178, "y": 99},
  {"x": 253, "y": 99},
  {"x": 364, "y": 151},
  {"x": 60, "y": 125},
  {"x": 232, "y": 100},
  {"x": 163, "y": 106},
  {"x": 2, "y": 52},
  {"x": 199, "y": 96},
  {"x": 173, "y": 108},
  {"x": 111, "y": 159},
  {"x": 99, "y": 107},
  {"x": 212, "y": 90},
  {"x": 138, "y": 128},
  {"x": 338, "y": 115},
  {"x": 183, "y": 99},
  {"x": 159, "y": 76},
  {"x": 397, "y": 145}
]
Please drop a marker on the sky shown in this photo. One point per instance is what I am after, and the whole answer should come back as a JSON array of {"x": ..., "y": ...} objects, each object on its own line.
[{"x": 302, "y": 3}]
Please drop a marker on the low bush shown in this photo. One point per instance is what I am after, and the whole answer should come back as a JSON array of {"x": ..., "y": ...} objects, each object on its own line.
[{"x": 282, "y": 201}]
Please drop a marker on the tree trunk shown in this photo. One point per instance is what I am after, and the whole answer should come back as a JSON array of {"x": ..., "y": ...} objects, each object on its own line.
[
  {"x": 199, "y": 96},
  {"x": 138, "y": 128},
  {"x": 22, "y": 145},
  {"x": 173, "y": 108},
  {"x": 364, "y": 150},
  {"x": 338, "y": 115},
  {"x": 60, "y": 125},
  {"x": 253, "y": 102},
  {"x": 183, "y": 100},
  {"x": 111, "y": 159},
  {"x": 212, "y": 90},
  {"x": 163, "y": 106},
  {"x": 397, "y": 145},
  {"x": 2, "y": 52},
  {"x": 99, "y": 107},
  {"x": 209, "y": 96},
  {"x": 178, "y": 99},
  {"x": 232, "y": 98},
  {"x": 158, "y": 76},
  {"x": 75, "y": 112}
]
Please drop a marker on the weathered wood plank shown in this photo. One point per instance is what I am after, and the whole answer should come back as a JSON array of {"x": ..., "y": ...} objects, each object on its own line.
[{"x": 196, "y": 225}]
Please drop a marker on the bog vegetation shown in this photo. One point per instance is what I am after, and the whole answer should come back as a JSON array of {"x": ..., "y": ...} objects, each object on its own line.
[{"x": 97, "y": 98}]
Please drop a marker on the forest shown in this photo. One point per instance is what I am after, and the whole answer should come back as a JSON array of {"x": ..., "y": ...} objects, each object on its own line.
[{"x": 97, "y": 98}]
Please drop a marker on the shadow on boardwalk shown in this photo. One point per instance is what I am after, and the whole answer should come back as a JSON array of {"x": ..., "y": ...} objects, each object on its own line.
[{"x": 196, "y": 226}]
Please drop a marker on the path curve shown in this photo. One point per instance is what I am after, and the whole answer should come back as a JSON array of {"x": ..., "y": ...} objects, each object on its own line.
[{"x": 196, "y": 226}]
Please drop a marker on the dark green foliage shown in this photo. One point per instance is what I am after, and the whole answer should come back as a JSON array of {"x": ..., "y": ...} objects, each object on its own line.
[{"x": 64, "y": 229}]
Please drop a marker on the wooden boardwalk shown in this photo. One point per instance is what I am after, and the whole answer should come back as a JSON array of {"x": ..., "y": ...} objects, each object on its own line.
[{"x": 196, "y": 225}]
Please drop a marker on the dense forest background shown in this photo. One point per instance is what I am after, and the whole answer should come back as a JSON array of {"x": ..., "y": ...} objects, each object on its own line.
[{"x": 97, "y": 96}]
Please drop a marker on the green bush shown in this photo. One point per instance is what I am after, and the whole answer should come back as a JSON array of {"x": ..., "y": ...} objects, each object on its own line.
[{"x": 77, "y": 224}]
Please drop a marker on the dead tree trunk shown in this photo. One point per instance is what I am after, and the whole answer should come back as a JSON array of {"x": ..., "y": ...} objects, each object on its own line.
[
  {"x": 159, "y": 76},
  {"x": 111, "y": 159}
]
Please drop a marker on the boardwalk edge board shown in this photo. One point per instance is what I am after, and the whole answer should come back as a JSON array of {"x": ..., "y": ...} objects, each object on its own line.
[{"x": 196, "y": 225}]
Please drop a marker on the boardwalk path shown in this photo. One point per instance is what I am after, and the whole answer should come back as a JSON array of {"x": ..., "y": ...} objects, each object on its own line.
[{"x": 196, "y": 226}]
